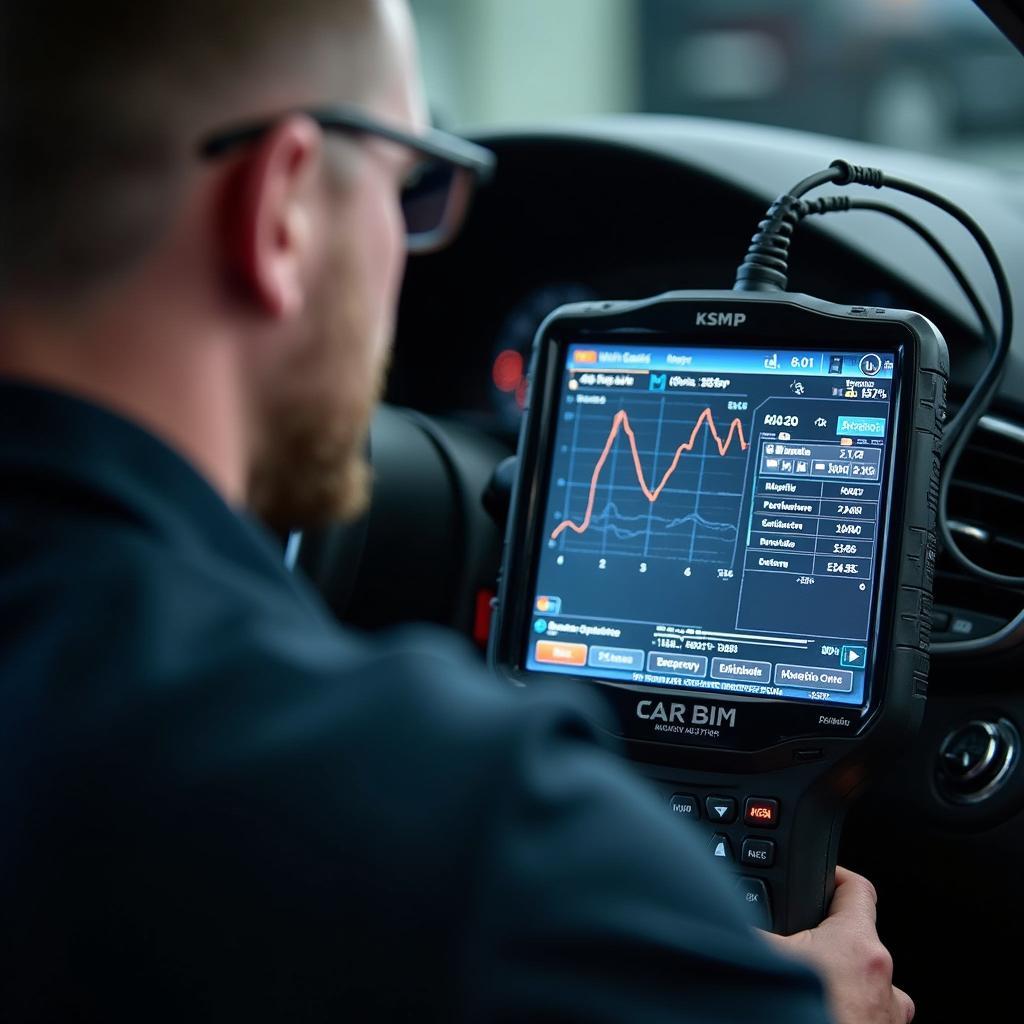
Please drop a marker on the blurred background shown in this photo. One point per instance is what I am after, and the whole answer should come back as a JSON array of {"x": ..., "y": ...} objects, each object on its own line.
[{"x": 933, "y": 75}]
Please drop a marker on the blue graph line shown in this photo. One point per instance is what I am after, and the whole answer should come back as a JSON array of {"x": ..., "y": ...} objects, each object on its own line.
[{"x": 603, "y": 522}]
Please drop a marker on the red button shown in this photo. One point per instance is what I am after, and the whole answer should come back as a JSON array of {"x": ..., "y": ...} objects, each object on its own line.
[{"x": 761, "y": 812}]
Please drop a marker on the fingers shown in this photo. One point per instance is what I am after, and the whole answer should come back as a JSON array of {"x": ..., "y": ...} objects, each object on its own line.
[
  {"x": 905, "y": 1004},
  {"x": 855, "y": 896},
  {"x": 847, "y": 952},
  {"x": 856, "y": 900},
  {"x": 781, "y": 943},
  {"x": 844, "y": 876}
]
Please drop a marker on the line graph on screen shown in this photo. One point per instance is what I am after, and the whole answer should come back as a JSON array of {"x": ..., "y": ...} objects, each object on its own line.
[{"x": 658, "y": 477}]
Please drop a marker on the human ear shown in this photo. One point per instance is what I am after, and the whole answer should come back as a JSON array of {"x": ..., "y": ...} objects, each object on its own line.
[{"x": 271, "y": 241}]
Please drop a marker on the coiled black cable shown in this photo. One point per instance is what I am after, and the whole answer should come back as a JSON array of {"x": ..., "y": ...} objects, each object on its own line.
[
  {"x": 765, "y": 268},
  {"x": 841, "y": 203}
]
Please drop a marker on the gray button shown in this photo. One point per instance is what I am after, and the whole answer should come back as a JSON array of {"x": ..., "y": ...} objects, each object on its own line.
[
  {"x": 616, "y": 657},
  {"x": 685, "y": 806},
  {"x": 741, "y": 671},
  {"x": 677, "y": 664},
  {"x": 814, "y": 678},
  {"x": 721, "y": 809},
  {"x": 754, "y": 894},
  {"x": 758, "y": 853}
]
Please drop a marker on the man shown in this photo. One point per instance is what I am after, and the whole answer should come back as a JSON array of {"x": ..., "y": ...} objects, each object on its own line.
[{"x": 216, "y": 804}]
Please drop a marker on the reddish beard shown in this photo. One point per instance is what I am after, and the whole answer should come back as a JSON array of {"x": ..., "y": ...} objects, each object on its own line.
[{"x": 312, "y": 468}]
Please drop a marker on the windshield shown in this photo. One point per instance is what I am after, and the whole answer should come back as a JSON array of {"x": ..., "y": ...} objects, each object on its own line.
[{"x": 931, "y": 75}]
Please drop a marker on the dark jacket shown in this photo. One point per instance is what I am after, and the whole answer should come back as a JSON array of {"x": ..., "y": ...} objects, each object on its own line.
[{"x": 215, "y": 804}]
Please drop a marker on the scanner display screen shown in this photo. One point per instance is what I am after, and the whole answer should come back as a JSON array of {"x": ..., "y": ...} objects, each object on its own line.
[{"x": 713, "y": 519}]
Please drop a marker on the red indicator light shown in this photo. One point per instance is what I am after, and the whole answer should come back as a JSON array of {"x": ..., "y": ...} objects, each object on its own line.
[
  {"x": 507, "y": 371},
  {"x": 761, "y": 813},
  {"x": 482, "y": 618}
]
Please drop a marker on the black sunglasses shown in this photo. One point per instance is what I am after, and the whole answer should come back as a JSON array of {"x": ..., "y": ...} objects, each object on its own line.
[{"x": 435, "y": 196}]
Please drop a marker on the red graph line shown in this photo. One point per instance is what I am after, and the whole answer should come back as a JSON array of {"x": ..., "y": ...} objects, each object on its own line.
[{"x": 622, "y": 420}]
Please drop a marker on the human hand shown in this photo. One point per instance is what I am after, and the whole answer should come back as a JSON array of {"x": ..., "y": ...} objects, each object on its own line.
[{"x": 847, "y": 953}]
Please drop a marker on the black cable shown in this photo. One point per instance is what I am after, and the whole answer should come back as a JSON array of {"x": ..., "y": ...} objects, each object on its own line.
[
  {"x": 766, "y": 268},
  {"x": 987, "y": 387},
  {"x": 988, "y": 331},
  {"x": 841, "y": 203},
  {"x": 983, "y": 393},
  {"x": 831, "y": 173}
]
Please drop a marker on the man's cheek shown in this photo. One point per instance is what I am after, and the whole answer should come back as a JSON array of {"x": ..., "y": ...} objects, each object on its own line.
[{"x": 388, "y": 233}]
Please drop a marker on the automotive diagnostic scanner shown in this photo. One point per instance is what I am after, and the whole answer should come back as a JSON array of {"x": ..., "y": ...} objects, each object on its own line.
[{"x": 724, "y": 521}]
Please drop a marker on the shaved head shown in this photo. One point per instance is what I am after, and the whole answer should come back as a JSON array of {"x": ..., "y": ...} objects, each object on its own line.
[
  {"x": 104, "y": 103},
  {"x": 238, "y": 304}
]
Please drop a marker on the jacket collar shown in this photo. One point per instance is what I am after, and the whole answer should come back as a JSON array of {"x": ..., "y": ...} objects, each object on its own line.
[{"x": 53, "y": 438}]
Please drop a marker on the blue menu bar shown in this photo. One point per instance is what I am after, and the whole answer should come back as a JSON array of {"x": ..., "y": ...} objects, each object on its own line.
[{"x": 698, "y": 361}]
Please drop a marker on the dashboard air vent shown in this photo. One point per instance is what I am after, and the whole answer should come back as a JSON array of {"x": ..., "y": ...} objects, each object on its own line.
[{"x": 986, "y": 513}]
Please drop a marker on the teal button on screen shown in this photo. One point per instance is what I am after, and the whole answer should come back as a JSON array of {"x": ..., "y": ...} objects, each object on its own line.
[{"x": 861, "y": 426}]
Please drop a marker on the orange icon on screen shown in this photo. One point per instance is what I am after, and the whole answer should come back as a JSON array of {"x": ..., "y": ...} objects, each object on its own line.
[
  {"x": 585, "y": 356},
  {"x": 846, "y": 442},
  {"x": 551, "y": 652},
  {"x": 543, "y": 604}
]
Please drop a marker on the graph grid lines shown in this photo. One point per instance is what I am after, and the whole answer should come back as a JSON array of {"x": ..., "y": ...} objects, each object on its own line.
[{"x": 688, "y": 512}]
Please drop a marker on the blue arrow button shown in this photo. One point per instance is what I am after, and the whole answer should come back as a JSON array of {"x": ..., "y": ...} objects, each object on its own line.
[{"x": 853, "y": 657}]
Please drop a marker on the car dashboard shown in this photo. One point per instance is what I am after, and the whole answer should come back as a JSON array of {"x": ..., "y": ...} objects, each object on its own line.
[
  {"x": 624, "y": 208},
  {"x": 628, "y": 208}
]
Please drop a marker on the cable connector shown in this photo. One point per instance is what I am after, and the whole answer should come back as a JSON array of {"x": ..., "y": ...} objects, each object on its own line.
[
  {"x": 825, "y": 204},
  {"x": 853, "y": 174},
  {"x": 765, "y": 268}
]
